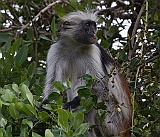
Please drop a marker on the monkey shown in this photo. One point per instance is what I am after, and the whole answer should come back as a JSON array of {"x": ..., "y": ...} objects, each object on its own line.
[{"x": 76, "y": 53}]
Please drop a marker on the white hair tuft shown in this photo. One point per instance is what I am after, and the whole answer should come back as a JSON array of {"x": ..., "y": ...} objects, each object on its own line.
[{"x": 80, "y": 15}]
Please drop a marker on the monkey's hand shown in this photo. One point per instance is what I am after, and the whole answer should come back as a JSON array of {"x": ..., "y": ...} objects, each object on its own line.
[{"x": 73, "y": 104}]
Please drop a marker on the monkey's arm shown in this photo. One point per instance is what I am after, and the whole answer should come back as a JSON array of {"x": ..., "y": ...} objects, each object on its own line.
[
  {"x": 119, "y": 105},
  {"x": 117, "y": 82},
  {"x": 51, "y": 72}
]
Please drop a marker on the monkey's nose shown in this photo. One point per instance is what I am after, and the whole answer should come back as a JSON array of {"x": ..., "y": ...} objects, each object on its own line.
[{"x": 92, "y": 31}]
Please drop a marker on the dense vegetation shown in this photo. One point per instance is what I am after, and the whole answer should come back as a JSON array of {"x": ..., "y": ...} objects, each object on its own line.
[{"x": 28, "y": 28}]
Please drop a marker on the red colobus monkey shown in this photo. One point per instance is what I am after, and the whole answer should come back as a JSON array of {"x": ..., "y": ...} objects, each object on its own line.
[{"x": 75, "y": 54}]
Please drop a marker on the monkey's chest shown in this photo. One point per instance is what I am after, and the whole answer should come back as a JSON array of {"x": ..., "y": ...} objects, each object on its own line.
[{"x": 75, "y": 67}]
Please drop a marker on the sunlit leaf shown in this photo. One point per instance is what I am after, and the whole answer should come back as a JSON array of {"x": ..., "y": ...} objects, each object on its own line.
[
  {"x": 58, "y": 85},
  {"x": 48, "y": 133},
  {"x": 29, "y": 123},
  {"x": 79, "y": 118},
  {"x": 35, "y": 135},
  {"x": 26, "y": 93},
  {"x": 81, "y": 129},
  {"x": 22, "y": 54},
  {"x": 8, "y": 95},
  {"x": 63, "y": 118},
  {"x": 29, "y": 110},
  {"x": 44, "y": 37},
  {"x": 13, "y": 112}
]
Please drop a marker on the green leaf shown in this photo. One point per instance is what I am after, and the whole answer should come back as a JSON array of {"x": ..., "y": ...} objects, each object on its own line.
[
  {"x": 6, "y": 46},
  {"x": 8, "y": 57},
  {"x": 69, "y": 133},
  {"x": 87, "y": 103},
  {"x": 105, "y": 44},
  {"x": 43, "y": 116},
  {"x": 88, "y": 77},
  {"x": 68, "y": 82},
  {"x": 134, "y": 62},
  {"x": 101, "y": 116},
  {"x": 21, "y": 54},
  {"x": 3, "y": 122},
  {"x": 121, "y": 55},
  {"x": 81, "y": 129},
  {"x": 101, "y": 105},
  {"x": 78, "y": 120},
  {"x": 35, "y": 135},
  {"x": 63, "y": 117},
  {"x": 19, "y": 106},
  {"x": 87, "y": 3},
  {"x": 48, "y": 107},
  {"x": 30, "y": 34},
  {"x": 84, "y": 92},
  {"x": 8, "y": 95},
  {"x": 60, "y": 10},
  {"x": 54, "y": 96},
  {"x": 48, "y": 133},
  {"x": 13, "y": 112},
  {"x": 60, "y": 101},
  {"x": 1, "y": 103},
  {"x": 74, "y": 3},
  {"x": 15, "y": 88},
  {"x": 9, "y": 131},
  {"x": 156, "y": 17},
  {"x": 53, "y": 28},
  {"x": 16, "y": 45},
  {"x": 1, "y": 132},
  {"x": 29, "y": 123},
  {"x": 44, "y": 37},
  {"x": 58, "y": 85},
  {"x": 28, "y": 109},
  {"x": 4, "y": 37},
  {"x": 26, "y": 93},
  {"x": 31, "y": 69},
  {"x": 113, "y": 31},
  {"x": 24, "y": 130}
]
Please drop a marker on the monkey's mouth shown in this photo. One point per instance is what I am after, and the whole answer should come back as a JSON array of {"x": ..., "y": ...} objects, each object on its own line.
[{"x": 93, "y": 38}]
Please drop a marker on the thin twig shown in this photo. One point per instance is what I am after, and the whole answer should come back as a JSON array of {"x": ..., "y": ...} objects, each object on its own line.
[
  {"x": 133, "y": 46},
  {"x": 136, "y": 25},
  {"x": 39, "y": 14},
  {"x": 12, "y": 11},
  {"x": 10, "y": 28}
]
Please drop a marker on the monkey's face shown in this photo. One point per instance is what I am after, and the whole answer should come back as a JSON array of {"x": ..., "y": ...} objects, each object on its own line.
[
  {"x": 86, "y": 32},
  {"x": 83, "y": 31}
]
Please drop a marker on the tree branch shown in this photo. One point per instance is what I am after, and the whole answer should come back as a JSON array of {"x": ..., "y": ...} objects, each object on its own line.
[
  {"x": 136, "y": 26},
  {"x": 39, "y": 14}
]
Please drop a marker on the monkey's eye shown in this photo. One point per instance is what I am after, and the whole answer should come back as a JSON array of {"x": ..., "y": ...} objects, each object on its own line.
[
  {"x": 87, "y": 24},
  {"x": 66, "y": 23}
]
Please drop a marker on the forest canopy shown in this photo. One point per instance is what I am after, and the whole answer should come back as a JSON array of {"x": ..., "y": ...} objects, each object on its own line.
[{"x": 129, "y": 30}]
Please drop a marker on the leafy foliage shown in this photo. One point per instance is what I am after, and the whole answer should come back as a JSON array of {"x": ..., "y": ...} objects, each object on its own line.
[
  {"x": 28, "y": 28},
  {"x": 20, "y": 115}
]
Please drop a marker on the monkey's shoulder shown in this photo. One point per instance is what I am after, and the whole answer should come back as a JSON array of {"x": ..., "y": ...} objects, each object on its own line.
[{"x": 105, "y": 56}]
